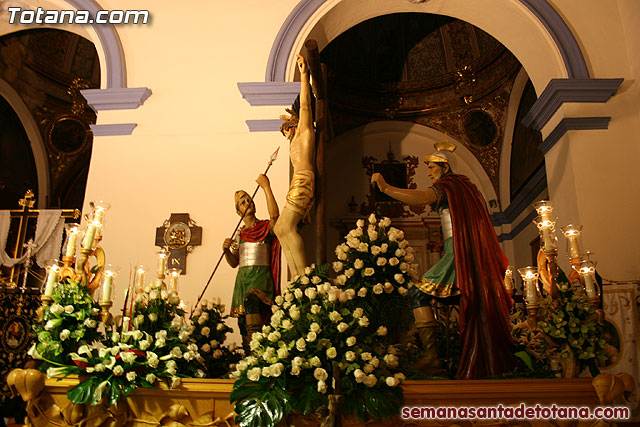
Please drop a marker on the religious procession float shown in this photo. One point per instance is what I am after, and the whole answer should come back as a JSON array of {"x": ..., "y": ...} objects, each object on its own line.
[{"x": 338, "y": 348}]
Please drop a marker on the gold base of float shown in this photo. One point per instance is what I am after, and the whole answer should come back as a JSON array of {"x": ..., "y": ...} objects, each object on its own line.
[{"x": 205, "y": 402}]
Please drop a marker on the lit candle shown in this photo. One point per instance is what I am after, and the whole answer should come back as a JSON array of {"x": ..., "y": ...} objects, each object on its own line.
[
  {"x": 174, "y": 275},
  {"x": 106, "y": 286},
  {"x": 544, "y": 209},
  {"x": 549, "y": 239},
  {"x": 139, "y": 279},
  {"x": 588, "y": 271},
  {"x": 530, "y": 278},
  {"x": 590, "y": 285},
  {"x": 52, "y": 279},
  {"x": 72, "y": 233},
  {"x": 99, "y": 214},
  {"x": 87, "y": 242},
  {"x": 508, "y": 279},
  {"x": 163, "y": 256},
  {"x": 572, "y": 233}
]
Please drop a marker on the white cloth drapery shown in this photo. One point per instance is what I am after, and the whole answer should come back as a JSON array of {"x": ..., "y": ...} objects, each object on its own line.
[{"x": 48, "y": 239}]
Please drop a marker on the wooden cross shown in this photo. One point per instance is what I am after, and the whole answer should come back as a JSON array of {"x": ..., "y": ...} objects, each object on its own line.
[
  {"x": 24, "y": 215},
  {"x": 179, "y": 234}
]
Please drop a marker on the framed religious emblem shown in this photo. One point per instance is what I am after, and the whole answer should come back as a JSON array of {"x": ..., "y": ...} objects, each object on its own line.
[
  {"x": 15, "y": 335},
  {"x": 177, "y": 235}
]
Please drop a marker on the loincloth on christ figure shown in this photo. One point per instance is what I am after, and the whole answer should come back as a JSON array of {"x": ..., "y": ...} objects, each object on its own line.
[{"x": 300, "y": 195}]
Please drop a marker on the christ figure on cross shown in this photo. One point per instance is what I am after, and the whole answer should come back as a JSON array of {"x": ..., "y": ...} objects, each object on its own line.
[{"x": 300, "y": 132}]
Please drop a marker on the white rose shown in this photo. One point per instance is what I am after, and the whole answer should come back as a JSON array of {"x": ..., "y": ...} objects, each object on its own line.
[
  {"x": 322, "y": 387},
  {"x": 359, "y": 375},
  {"x": 294, "y": 312},
  {"x": 350, "y": 272},
  {"x": 150, "y": 378},
  {"x": 364, "y": 321},
  {"x": 388, "y": 287},
  {"x": 343, "y": 297},
  {"x": 282, "y": 353},
  {"x": 315, "y": 309},
  {"x": 305, "y": 281},
  {"x": 342, "y": 327},
  {"x": 375, "y": 250},
  {"x": 214, "y": 343},
  {"x": 338, "y": 266},
  {"x": 372, "y": 219},
  {"x": 360, "y": 223},
  {"x": 118, "y": 370},
  {"x": 409, "y": 258},
  {"x": 392, "y": 382},
  {"x": 68, "y": 309},
  {"x": 311, "y": 336},
  {"x": 314, "y": 327},
  {"x": 375, "y": 362},
  {"x": 403, "y": 244},
  {"x": 363, "y": 247},
  {"x": 334, "y": 316},
  {"x": 400, "y": 252},
  {"x": 206, "y": 348},
  {"x": 381, "y": 261},
  {"x": 351, "y": 341},
  {"x": 217, "y": 354},
  {"x": 205, "y": 331},
  {"x": 384, "y": 247},
  {"x": 295, "y": 370},
  {"x": 287, "y": 325},
  {"x": 153, "y": 317},
  {"x": 350, "y": 356},
  {"x": 341, "y": 279},
  {"x": 385, "y": 222},
  {"x": 301, "y": 345},
  {"x": 382, "y": 331},
  {"x": 399, "y": 278},
  {"x": 391, "y": 360},
  {"x": 368, "y": 368},
  {"x": 131, "y": 376},
  {"x": 254, "y": 374},
  {"x": 358, "y": 264},
  {"x": 90, "y": 323},
  {"x": 288, "y": 296},
  {"x": 153, "y": 295},
  {"x": 402, "y": 290},
  {"x": 394, "y": 261},
  {"x": 56, "y": 309},
  {"x": 369, "y": 271},
  {"x": 370, "y": 380},
  {"x": 362, "y": 292},
  {"x": 373, "y": 235},
  {"x": 404, "y": 267},
  {"x": 358, "y": 312},
  {"x": 316, "y": 280},
  {"x": 315, "y": 362},
  {"x": 332, "y": 353},
  {"x": 350, "y": 293},
  {"x": 64, "y": 334},
  {"x": 320, "y": 374},
  {"x": 49, "y": 325},
  {"x": 310, "y": 293},
  {"x": 378, "y": 289},
  {"x": 279, "y": 300},
  {"x": 274, "y": 336}
]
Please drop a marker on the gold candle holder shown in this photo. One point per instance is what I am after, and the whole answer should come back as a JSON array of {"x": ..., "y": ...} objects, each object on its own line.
[
  {"x": 531, "y": 294},
  {"x": 46, "y": 301},
  {"x": 105, "y": 314}
]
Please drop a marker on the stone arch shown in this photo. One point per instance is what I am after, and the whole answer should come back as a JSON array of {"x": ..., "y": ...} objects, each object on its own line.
[{"x": 323, "y": 20}]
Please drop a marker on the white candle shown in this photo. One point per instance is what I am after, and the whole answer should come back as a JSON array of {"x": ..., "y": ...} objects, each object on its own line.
[
  {"x": 173, "y": 283},
  {"x": 574, "y": 246},
  {"x": 52, "y": 279},
  {"x": 590, "y": 285},
  {"x": 99, "y": 214},
  {"x": 139, "y": 279},
  {"x": 531, "y": 291},
  {"x": 106, "y": 287},
  {"x": 87, "y": 242},
  {"x": 549, "y": 239},
  {"x": 508, "y": 280},
  {"x": 162, "y": 262},
  {"x": 71, "y": 244}
]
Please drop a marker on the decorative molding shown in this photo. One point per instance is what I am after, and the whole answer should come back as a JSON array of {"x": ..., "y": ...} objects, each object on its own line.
[
  {"x": 116, "y": 98},
  {"x": 573, "y": 123},
  {"x": 518, "y": 228},
  {"x": 111, "y": 44},
  {"x": 531, "y": 190},
  {"x": 267, "y": 125},
  {"x": 269, "y": 93},
  {"x": 562, "y": 36},
  {"x": 559, "y": 91},
  {"x": 559, "y": 31},
  {"x": 282, "y": 45},
  {"x": 112, "y": 130}
]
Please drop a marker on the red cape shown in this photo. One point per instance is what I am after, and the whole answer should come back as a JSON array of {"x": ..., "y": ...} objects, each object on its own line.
[
  {"x": 258, "y": 233},
  {"x": 485, "y": 327}
]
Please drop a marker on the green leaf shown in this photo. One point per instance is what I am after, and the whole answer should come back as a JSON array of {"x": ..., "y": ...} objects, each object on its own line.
[
  {"x": 113, "y": 392},
  {"x": 83, "y": 392},
  {"x": 526, "y": 358},
  {"x": 307, "y": 400}
]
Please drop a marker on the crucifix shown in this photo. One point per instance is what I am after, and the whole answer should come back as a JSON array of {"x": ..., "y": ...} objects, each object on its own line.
[
  {"x": 179, "y": 234},
  {"x": 23, "y": 216}
]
